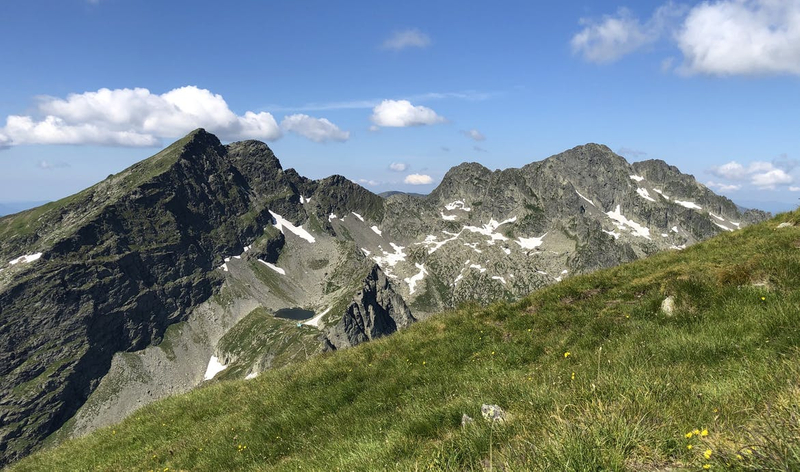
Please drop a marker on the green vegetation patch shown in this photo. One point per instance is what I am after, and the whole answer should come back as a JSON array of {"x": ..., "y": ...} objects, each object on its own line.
[{"x": 262, "y": 340}]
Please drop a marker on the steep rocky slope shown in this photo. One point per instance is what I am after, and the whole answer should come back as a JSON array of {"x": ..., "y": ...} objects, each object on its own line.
[{"x": 168, "y": 274}]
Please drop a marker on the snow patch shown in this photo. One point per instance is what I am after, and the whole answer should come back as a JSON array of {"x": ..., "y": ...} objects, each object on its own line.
[
  {"x": 541, "y": 272},
  {"x": 674, "y": 229},
  {"x": 26, "y": 259},
  {"x": 390, "y": 259},
  {"x": 273, "y": 267},
  {"x": 251, "y": 376},
  {"x": 723, "y": 227},
  {"x": 357, "y": 216},
  {"x": 682, "y": 246},
  {"x": 688, "y": 204},
  {"x": 530, "y": 243},
  {"x": 507, "y": 250},
  {"x": 282, "y": 223},
  {"x": 377, "y": 231},
  {"x": 474, "y": 247},
  {"x": 331, "y": 217},
  {"x": 458, "y": 204},
  {"x": 490, "y": 228},
  {"x": 623, "y": 222},
  {"x": 432, "y": 243},
  {"x": 637, "y": 178},
  {"x": 734, "y": 223},
  {"x": 660, "y": 192},
  {"x": 412, "y": 281},
  {"x": 448, "y": 217},
  {"x": 579, "y": 194},
  {"x": 224, "y": 267},
  {"x": 717, "y": 217},
  {"x": 501, "y": 279},
  {"x": 214, "y": 368},
  {"x": 645, "y": 194},
  {"x": 315, "y": 320},
  {"x": 477, "y": 266},
  {"x": 612, "y": 233},
  {"x": 366, "y": 252}
]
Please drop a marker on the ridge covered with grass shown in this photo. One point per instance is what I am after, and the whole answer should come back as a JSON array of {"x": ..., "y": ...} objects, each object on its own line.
[{"x": 592, "y": 374}]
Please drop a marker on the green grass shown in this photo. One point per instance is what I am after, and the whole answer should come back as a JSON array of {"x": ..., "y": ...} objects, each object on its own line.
[
  {"x": 261, "y": 339},
  {"x": 591, "y": 374}
]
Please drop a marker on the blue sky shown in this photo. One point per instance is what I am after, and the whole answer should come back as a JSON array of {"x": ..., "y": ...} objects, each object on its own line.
[{"x": 393, "y": 94}]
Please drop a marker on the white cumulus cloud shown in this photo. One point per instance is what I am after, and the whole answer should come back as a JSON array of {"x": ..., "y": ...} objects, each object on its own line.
[
  {"x": 615, "y": 36},
  {"x": 794, "y": 189},
  {"x": 721, "y": 37},
  {"x": 734, "y": 171},
  {"x": 761, "y": 174},
  {"x": 134, "y": 117},
  {"x": 768, "y": 180},
  {"x": 398, "y": 166},
  {"x": 409, "y": 38},
  {"x": 401, "y": 113},
  {"x": 315, "y": 129},
  {"x": 418, "y": 179},
  {"x": 474, "y": 134},
  {"x": 745, "y": 37},
  {"x": 723, "y": 187}
]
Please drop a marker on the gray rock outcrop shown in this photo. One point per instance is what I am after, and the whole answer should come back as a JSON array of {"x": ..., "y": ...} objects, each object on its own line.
[{"x": 376, "y": 311}]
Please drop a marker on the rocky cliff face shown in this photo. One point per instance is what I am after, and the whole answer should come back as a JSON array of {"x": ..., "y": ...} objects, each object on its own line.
[
  {"x": 175, "y": 268},
  {"x": 376, "y": 311},
  {"x": 122, "y": 261}
]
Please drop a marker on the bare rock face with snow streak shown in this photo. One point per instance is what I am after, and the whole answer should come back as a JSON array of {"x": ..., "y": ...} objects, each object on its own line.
[{"x": 376, "y": 311}]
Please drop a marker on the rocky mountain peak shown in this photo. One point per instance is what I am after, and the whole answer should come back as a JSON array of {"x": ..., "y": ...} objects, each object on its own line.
[{"x": 256, "y": 151}]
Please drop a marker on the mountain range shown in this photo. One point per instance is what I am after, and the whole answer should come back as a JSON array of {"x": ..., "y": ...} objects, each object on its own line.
[{"x": 210, "y": 261}]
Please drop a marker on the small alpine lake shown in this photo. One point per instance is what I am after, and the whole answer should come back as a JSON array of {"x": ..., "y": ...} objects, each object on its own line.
[{"x": 296, "y": 314}]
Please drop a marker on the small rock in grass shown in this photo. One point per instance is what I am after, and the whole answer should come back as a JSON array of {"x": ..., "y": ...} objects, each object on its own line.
[
  {"x": 493, "y": 413},
  {"x": 668, "y": 305},
  {"x": 785, "y": 225}
]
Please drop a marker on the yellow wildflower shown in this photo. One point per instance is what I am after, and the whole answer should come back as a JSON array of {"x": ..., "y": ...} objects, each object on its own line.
[
  {"x": 689, "y": 447},
  {"x": 704, "y": 433},
  {"x": 707, "y": 454},
  {"x": 573, "y": 376},
  {"x": 689, "y": 435},
  {"x": 707, "y": 466},
  {"x": 696, "y": 431},
  {"x": 567, "y": 354}
]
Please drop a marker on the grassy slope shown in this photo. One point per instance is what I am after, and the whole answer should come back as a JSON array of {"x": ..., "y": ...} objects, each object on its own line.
[{"x": 634, "y": 383}]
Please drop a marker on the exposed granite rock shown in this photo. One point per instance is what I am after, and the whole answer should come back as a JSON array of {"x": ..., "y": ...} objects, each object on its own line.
[{"x": 376, "y": 311}]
